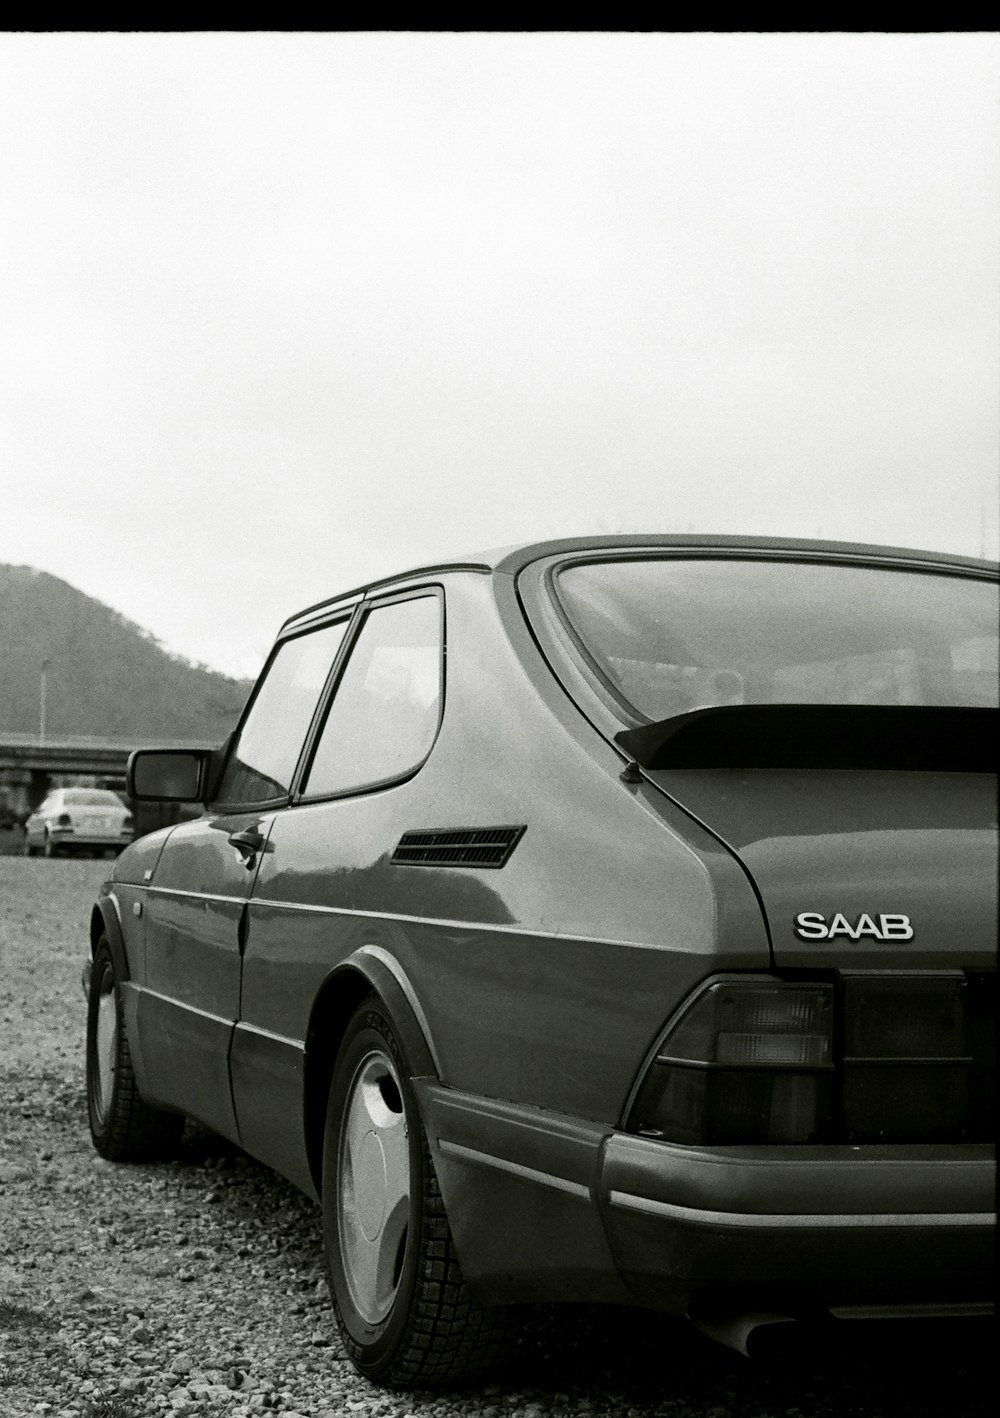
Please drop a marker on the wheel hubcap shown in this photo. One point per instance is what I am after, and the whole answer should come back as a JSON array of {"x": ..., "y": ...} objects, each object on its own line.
[
  {"x": 106, "y": 1044},
  {"x": 373, "y": 1189}
]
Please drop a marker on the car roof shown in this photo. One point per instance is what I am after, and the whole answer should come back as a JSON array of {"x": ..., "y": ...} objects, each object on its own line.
[{"x": 509, "y": 560}]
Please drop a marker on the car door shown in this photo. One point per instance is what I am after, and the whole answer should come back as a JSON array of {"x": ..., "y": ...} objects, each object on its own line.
[
  {"x": 327, "y": 851},
  {"x": 195, "y": 905}
]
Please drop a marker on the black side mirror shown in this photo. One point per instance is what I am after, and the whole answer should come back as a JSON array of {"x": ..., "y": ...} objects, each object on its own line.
[{"x": 170, "y": 775}]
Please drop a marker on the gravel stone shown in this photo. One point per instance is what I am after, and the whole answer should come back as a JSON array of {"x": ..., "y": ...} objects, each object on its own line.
[{"x": 198, "y": 1286}]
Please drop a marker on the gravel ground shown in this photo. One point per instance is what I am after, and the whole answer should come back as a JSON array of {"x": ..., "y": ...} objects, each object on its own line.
[{"x": 197, "y": 1287}]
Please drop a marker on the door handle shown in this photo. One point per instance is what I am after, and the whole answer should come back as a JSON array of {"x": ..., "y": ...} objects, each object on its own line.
[{"x": 247, "y": 843}]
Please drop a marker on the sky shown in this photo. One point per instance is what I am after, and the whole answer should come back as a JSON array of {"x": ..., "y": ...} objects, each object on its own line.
[{"x": 284, "y": 312}]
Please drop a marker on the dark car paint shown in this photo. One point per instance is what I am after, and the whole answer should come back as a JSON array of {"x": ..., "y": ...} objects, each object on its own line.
[
  {"x": 191, "y": 998},
  {"x": 850, "y": 842},
  {"x": 534, "y": 994},
  {"x": 124, "y": 895}
]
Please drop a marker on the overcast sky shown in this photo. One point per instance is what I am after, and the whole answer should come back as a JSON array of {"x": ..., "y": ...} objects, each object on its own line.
[{"x": 283, "y": 312}]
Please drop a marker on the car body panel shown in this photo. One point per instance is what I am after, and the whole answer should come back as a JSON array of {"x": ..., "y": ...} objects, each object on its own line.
[
  {"x": 190, "y": 988},
  {"x": 521, "y": 1187},
  {"x": 136, "y": 866},
  {"x": 268, "y": 1082},
  {"x": 121, "y": 906},
  {"x": 852, "y": 843}
]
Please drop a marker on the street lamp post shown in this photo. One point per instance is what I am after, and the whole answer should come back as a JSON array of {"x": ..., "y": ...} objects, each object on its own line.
[{"x": 43, "y": 685}]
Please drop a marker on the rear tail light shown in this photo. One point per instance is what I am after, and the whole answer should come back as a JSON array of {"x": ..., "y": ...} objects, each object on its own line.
[
  {"x": 906, "y": 1062},
  {"x": 128, "y": 823},
  {"x": 746, "y": 1061},
  {"x": 873, "y": 1057},
  {"x": 64, "y": 820}
]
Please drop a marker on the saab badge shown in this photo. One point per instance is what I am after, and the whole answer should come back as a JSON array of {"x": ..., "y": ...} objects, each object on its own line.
[{"x": 812, "y": 925}]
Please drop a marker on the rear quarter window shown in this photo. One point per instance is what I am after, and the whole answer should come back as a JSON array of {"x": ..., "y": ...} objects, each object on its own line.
[{"x": 385, "y": 712}]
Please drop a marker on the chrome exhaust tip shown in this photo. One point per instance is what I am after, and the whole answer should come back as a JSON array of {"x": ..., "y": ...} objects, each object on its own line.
[{"x": 737, "y": 1330}]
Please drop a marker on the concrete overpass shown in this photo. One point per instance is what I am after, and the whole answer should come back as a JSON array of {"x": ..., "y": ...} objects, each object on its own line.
[{"x": 30, "y": 765}]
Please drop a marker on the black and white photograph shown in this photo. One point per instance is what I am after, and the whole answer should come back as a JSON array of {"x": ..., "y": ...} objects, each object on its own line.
[{"x": 499, "y": 705}]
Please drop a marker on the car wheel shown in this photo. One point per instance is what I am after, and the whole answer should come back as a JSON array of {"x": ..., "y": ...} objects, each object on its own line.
[
  {"x": 123, "y": 1127},
  {"x": 405, "y": 1315}
]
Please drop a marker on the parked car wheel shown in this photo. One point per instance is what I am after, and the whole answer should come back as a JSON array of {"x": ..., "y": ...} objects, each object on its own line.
[
  {"x": 404, "y": 1312},
  {"x": 124, "y": 1128}
]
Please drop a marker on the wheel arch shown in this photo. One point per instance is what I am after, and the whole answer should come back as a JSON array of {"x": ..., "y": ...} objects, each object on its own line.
[
  {"x": 371, "y": 970},
  {"x": 104, "y": 921}
]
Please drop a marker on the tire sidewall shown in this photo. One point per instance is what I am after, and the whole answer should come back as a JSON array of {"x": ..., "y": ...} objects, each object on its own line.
[
  {"x": 103, "y": 969},
  {"x": 373, "y": 1347}
]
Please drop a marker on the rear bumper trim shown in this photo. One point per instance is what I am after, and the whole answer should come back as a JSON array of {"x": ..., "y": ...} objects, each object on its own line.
[
  {"x": 960, "y": 1309},
  {"x": 744, "y": 1220}
]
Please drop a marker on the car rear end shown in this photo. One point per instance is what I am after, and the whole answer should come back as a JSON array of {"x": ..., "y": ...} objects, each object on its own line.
[
  {"x": 806, "y": 1143},
  {"x": 91, "y": 820},
  {"x": 818, "y": 1137}
]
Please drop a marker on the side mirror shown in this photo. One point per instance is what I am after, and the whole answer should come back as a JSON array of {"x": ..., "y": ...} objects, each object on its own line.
[{"x": 170, "y": 775}]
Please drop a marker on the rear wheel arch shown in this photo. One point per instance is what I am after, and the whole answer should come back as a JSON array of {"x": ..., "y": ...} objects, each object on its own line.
[{"x": 370, "y": 971}]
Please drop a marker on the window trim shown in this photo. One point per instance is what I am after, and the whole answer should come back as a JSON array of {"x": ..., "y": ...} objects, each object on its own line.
[
  {"x": 348, "y": 614},
  {"x": 365, "y": 607}
]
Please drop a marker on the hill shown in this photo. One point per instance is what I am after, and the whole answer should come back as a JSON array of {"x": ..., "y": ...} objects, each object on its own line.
[{"x": 106, "y": 675}]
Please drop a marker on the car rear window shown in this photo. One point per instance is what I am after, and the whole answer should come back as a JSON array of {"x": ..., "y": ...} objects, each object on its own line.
[
  {"x": 94, "y": 797},
  {"x": 667, "y": 636}
]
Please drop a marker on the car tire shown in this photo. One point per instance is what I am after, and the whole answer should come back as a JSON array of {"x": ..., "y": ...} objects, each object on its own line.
[
  {"x": 123, "y": 1127},
  {"x": 405, "y": 1315}
]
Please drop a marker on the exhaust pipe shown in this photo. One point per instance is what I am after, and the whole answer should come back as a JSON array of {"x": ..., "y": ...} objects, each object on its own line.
[{"x": 735, "y": 1330}]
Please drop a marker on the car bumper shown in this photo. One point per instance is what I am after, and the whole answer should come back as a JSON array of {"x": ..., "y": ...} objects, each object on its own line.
[
  {"x": 591, "y": 1213},
  {"x": 89, "y": 837},
  {"x": 844, "y": 1228}
]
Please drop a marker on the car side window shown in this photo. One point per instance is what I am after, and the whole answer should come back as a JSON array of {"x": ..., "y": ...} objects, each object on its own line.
[
  {"x": 385, "y": 712},
  {"x": 265, "y": 753}
]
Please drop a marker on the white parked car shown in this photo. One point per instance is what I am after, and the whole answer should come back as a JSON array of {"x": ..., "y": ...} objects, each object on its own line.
[{"x": 79, "y": 820}]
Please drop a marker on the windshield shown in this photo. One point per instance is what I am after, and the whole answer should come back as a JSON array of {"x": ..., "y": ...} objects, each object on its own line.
[{"x": 668, "y": 636}]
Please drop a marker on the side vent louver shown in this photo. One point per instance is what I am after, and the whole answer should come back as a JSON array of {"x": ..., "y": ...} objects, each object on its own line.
[{"x": 457, "y": 847}]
